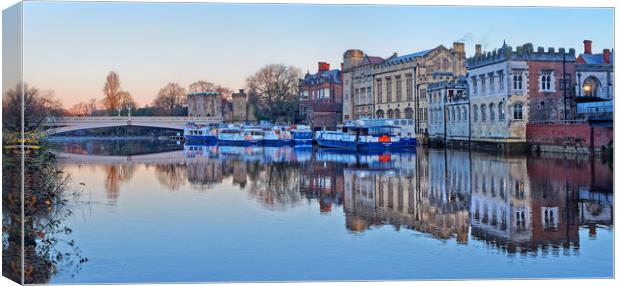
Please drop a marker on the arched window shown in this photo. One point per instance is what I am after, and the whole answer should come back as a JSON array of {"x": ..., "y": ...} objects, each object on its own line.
[
  {"x": 458, "y": 114},
  {"x": 591, "y": 86},
  {"x": 448, "y": 110},
  {"x": 408, "y": 113},
  {"x": 465, "y": 113},
  {"x": 380, "y": 113},
  {"x": 475, "y": 113},
  {"x": 483, "y": 112},
  {"x": 396, "y": 113},
  {"x": 517, "y": 81},
  {"x": 501, "y": 111},
  {"x": 492, "y": 112},
  {"x": 453, "y": 114},
  {"x": 390, "y": 113},
  {"x": 517, "y": 111}
]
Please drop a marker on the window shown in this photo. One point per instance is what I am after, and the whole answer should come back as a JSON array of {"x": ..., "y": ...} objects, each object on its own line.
[
  {"x": 591, "y": 86},
  {"x": 492, "y": 112},
  {"x": 517, "y": 113},
  {"x": 458, "y": 114},
  {"x": 483, "y": 112},
  {"x": 517, "y": 81},
  {"x": 396, "y": 113},
  {"x": 408, "y": 113},
  {"x": 474, "y": 84},
  {"x": 545, "y": 80},
  {"x": 475, "y": 113},
  {"x": 399, "y": 89},
  {"x": 502, "y": 113},
  {"x": 491, "y": 82},
  {"x": 409, "y": 86},
  {"x": 379, "y": 92},
  {"x": 390, "y": 113},
  {"x": 388, "y": 89},
  {"x": 465, "y": 113},
  {"x": 483, "y": 82},
  {"x": 379, "y": 113},
  {"x": 500, "y": 79}
]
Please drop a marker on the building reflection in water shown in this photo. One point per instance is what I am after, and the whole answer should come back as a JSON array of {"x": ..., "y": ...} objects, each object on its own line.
[{"x": 513, "y": 203}]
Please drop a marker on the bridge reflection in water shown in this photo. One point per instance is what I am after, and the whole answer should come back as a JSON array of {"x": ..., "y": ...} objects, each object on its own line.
[{"x": 514, "y": 203}]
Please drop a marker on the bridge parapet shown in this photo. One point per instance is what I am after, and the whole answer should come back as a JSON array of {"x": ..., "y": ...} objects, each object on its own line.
[{"x": 65, "y": 124}]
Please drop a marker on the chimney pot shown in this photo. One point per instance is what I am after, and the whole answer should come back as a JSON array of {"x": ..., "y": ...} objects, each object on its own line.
[
  {"x": 606, "y": 56},
  {"x": 323, "y": 66},
  {"x": 587, "y": 47}
]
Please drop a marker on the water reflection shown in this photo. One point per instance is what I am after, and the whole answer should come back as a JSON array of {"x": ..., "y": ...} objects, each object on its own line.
[{"x": 512, "y": 203}]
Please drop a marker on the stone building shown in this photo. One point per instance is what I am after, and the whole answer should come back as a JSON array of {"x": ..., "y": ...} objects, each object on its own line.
[
  {"x": 401, "y": 82},
  {"x": 448, "y": 111},
  {"x": 357, "y": 80},
  {"x": 320, "y": 96},
  {"x": 508, "y": 88},
  {"x": 594, "y": 81},
  {"x": 204, "y": 104},
  {"x": 241, "y": 108}
]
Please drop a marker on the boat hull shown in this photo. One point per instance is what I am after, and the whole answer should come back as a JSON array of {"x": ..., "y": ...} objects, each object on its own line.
[
  {"x": 201, "y": 138},
  {"x": 239, "y": 142},
  {"x": 277, "y": 142}
]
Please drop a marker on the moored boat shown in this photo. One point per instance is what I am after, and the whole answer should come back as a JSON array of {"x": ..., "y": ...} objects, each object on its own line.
[
  {"x": 276, "y": 135},
  {"x": 234, "y": 135},
  {"x": 196, "y": 132},
  {"x": 361, "y": 134},
  {"x": 302, "y": 135}
]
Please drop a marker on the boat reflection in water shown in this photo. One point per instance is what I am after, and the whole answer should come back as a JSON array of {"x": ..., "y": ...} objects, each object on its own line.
[
  {"x": 518, "y": 204},
  {"x": 474, "y": 204}
]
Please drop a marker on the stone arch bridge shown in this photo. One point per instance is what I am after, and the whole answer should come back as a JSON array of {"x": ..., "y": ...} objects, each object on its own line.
[{"x": 67, "y": 124}]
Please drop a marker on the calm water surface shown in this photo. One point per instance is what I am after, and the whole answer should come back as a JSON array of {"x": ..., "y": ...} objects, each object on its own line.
[{"x": 151, "y": 212}]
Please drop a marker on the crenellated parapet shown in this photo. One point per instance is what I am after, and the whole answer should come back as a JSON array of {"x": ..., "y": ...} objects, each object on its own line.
[{"x": 526, "y": 52}]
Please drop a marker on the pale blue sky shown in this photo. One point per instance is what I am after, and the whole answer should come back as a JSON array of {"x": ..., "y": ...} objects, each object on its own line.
[{"x": 70, "y": 47}]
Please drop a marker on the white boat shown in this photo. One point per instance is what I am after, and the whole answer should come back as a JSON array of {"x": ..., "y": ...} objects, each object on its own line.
[
  {"x": 235, "y": 135},
  {"x": 276, "y": 135},
  {"x": 196, "y": 132},
  {"x": 302, "y": 135}
]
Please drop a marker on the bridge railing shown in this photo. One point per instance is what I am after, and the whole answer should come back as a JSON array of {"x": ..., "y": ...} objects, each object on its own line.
[{"x": 84, "y": 119}]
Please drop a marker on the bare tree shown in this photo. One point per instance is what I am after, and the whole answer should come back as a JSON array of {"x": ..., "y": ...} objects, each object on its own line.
[
  {"x": 170, "y": 99},
  {"x": 79, "y": 109},
  {"x": 37, "y": 107},
  {"x": 126, "y": 100},
  {"x": 205, "y": 86},
  {"x": 111, "y": 92},
  {"x": 275, "y": 88}
]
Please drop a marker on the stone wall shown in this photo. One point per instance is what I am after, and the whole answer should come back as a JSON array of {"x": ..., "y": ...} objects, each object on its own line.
[{"x": 571, "y": 138}]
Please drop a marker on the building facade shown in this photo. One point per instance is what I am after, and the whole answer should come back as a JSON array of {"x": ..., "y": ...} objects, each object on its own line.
[
  {"x": 448, "y": 108},
  {"x": 240, "y": 108},
  {"x": 358, "y": 84},
  {"x": 401, "y": 82},
  {"x": 594, "y": 77},
  {"x": 320, "y": 97}
]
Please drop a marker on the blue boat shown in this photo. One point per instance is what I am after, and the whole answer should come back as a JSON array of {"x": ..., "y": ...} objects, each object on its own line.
[
  {"x": 199, "y": 133},
  {"x": 361, "y": 135},
  {"x": 302, "y": 135}
]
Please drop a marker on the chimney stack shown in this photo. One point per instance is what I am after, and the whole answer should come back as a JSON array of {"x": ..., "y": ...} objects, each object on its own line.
[
  {"x": 459, "y": 47},
  {"x": 478, "y": 49},
  {"x": 606, "y": 56},
  {"x": 587, "y": 47},
  {"x": 323, "y": 66}
]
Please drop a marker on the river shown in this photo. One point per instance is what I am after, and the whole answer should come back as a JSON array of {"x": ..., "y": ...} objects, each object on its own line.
[{"x": 155, "y": 212}]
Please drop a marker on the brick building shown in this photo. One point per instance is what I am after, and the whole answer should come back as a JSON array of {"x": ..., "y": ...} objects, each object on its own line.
[
  {"x": 320, "y": 96},
  {"x": 508, "y": 88},
  {"x": 594, "y": 78}
]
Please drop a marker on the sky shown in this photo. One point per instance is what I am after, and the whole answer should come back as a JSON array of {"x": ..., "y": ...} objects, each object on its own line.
[{"x": 71, "y": 47}]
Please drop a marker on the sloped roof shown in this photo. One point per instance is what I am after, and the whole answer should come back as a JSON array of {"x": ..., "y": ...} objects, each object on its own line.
[
  {"x": 595, "y": 59},
  {"x": 374, "y": 60},
  {"x": 329, "y": 76},
  {"x": 405, "y": 58}
]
